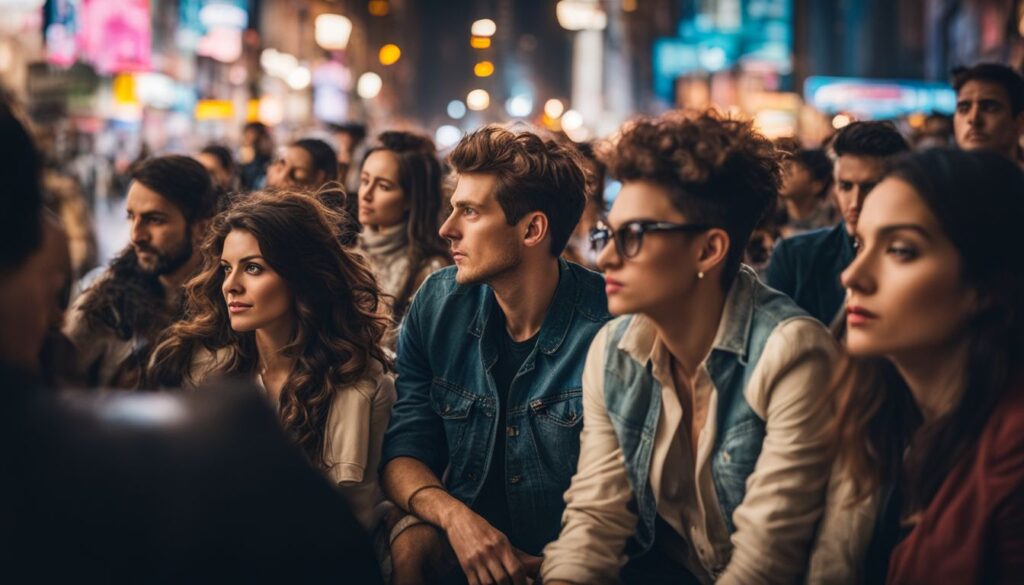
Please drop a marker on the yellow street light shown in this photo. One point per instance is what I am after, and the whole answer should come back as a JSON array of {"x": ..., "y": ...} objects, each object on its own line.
[
  {"x": 480, "y": 42},
  {"x": 483, "y": 69},
  {"x": 379, "y": 8},
  {"x": 390, "y": 54}
]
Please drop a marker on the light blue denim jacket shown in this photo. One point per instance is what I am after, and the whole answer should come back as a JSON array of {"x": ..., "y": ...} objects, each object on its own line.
[
  {"x": 633, "y": 399},
  {"x": 446, "y": 413}
]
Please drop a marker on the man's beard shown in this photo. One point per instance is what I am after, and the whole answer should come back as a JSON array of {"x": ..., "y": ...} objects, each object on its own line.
[{"x": 166, "y": 263}]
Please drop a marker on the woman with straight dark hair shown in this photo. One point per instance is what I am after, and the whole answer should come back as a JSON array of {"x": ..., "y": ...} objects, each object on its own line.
[
  {"x": 280, "y": 301},
  {"x": 400, "y": 209},
  {"x": 929, "y": 434}
]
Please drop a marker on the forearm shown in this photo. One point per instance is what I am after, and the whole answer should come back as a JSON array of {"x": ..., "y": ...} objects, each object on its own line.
[{"x": 412, "y": 485}]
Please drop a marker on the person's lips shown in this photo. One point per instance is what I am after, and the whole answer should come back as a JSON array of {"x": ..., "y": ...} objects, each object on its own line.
[
  {"x": 857, "y": 315},
  {"x": 456, "y": 255},
  {"x": 612, "y": 286},
  {"x": 237, "y": 307}
]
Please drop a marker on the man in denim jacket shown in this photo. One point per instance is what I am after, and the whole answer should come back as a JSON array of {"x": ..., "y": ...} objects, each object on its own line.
[{"x": 490, "y": 359}]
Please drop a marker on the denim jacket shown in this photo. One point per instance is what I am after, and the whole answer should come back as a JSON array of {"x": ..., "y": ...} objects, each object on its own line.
[
  {"x": 633, "y": 398},
  {"x": 446, "y": 413}
]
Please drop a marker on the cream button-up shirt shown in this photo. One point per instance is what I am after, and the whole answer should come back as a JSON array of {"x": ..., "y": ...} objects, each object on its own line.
[{"x": 784, "y": 496}]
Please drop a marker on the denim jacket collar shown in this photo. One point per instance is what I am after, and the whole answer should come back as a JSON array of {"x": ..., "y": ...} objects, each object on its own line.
[
  {"x": 556, "y": 322},
  {"x": 733, "y": 335}
]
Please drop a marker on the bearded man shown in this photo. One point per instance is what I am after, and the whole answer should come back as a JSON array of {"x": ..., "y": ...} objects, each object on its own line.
[{"x": 114, "y": 323}]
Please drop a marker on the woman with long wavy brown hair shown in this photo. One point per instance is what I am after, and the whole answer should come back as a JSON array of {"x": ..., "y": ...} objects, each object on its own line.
[
  {"x": 929, "y": 428},
  {"x": 280, "y": 301}
]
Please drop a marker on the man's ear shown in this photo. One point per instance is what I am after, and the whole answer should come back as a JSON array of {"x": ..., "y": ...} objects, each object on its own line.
[
  {"x": 535, "y": 228},
  {"x": 714, "y": 251}
]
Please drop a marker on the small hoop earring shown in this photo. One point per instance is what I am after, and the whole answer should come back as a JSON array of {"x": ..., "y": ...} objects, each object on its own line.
[{"x": 700, "y": 275}]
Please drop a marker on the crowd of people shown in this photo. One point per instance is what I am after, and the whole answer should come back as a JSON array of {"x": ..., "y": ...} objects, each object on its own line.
[{"x": 764, "y": 363}]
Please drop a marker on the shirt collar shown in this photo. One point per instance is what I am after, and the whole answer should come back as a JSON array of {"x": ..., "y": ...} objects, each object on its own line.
[{"x": 640, "y": 339}]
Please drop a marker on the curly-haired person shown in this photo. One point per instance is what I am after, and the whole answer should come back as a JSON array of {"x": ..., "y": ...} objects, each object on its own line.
[
  {"x": 701, "y": 458},
  {"x": 280, "y": 301}
]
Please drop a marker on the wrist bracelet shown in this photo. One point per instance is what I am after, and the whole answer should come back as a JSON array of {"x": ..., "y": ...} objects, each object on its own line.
[{"x": 408, "y": 501}]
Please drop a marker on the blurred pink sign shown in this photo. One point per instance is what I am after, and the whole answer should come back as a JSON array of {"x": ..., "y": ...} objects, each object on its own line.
[{"x": 116, "y": 35}]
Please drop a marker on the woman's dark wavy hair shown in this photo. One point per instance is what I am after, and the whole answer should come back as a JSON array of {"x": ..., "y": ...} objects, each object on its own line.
[
  {"x": 977, "y": 199},
  {"x": 419, "y": 176},
  {"x": 339, "y": 318}
]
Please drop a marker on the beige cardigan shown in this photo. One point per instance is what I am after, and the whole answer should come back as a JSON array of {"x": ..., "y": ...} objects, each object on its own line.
[{"x": 353, "y": 437}]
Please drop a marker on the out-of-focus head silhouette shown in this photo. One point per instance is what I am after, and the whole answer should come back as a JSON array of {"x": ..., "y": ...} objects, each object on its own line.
[{"x": 24, "y": 286}]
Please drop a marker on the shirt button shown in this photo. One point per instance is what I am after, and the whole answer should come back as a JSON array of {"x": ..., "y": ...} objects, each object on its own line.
[
  {"x": 515, "y": 479},
  {"x": 512, "y": 431}
]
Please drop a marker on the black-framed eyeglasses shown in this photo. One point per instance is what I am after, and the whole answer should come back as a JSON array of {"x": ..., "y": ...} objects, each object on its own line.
[{"x": 630, "y": 236}]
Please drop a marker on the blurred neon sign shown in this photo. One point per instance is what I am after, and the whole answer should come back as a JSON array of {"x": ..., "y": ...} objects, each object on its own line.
[
  {"x": 116, "y": 35},
  {"x": 878, "y": 98}
]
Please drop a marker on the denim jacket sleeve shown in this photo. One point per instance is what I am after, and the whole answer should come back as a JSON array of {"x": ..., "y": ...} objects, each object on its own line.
[{"x": 415, "y": 430}]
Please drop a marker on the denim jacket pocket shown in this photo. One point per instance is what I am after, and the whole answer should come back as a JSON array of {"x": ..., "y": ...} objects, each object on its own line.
[
  {"x": 557, "y": 421},
  {"x": 453, "y": 404},
  {"x": 564, "y": 409}
]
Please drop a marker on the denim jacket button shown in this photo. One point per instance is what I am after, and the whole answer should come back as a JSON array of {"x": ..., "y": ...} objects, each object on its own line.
[
  {"x": 471, "y": 476},
  {"x": 512, "y": 431},
  {"x": 514, "y": 479}
]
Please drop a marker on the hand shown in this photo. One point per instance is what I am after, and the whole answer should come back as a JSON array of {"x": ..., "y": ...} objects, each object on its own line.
[
  {"x": 485, "y": 554},
  {"x": 530, "y": 563}
]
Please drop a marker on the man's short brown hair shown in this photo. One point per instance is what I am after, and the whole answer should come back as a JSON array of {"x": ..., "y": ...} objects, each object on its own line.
[{"x": 532, "y": 175}]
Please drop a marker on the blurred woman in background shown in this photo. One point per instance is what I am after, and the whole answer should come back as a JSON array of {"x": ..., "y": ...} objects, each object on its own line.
[{"x": 400, "y": 209}]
